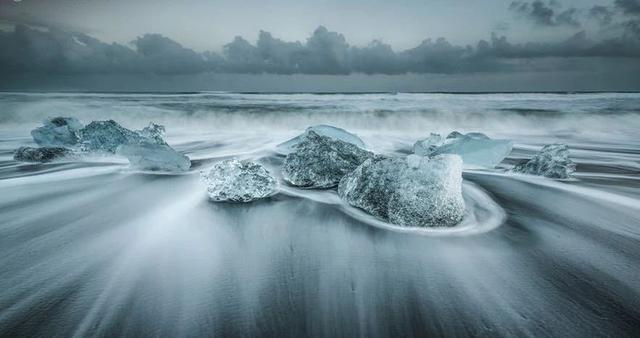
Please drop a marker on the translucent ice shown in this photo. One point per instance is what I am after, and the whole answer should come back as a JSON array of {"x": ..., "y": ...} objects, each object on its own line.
[
  {"x": 148, "y": 155},
  {"x": 324, "y": 130},
  {"x": 552, "y": 161},
  {"x": 426, "y": 146},
  {"x": 413, "y": 191},
  {"x": 58, "y": 131},
  {"x": 320, "y": 162},
  {"x": 43, "y": 154},
  {"x": 476, "y": 149},
  {"x": 106, "y": 136},
  {"x": 239, "y": 181},
  {"x": 153, "y": 132},
  {"x": 455, "y": 134}
]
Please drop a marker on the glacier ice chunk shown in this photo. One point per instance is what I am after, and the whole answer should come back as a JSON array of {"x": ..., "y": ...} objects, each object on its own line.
[
  {"x": 476, "y": 149},
  {"x": 413, "y": 191},
  {"x": 426, "y": 146},
  {"x": 106, "y": 136},
  {"x": 324, "y": 130},
  {"x": 552, "y": 161},
  {"x": 320, "y": 161},
  {"x": 58, "y": 131},
  {"x": 147, "y": 155},
  {"x": 239, "y": 181},
  {"x": 42, "y": 154}
]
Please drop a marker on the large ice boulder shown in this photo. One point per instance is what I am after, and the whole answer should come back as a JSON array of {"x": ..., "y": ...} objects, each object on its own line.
[
  {"x": 239, "y": 181},
  {"x": 414, "y": 191},
  {"x": 552, "y": 161},
  {"x": 43, "y": 154},
  {"x": 476, "y": 149},
  {"x": 58, "y": 131},
  {"x": 324, "y": 130},
  {"x": 106, "y": 136},
  {"x": 148, "y": 155},
  {"x": 320, "y": 161}
]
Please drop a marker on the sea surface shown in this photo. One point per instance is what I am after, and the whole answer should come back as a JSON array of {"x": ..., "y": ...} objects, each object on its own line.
[{"x": 93, "y": 248}]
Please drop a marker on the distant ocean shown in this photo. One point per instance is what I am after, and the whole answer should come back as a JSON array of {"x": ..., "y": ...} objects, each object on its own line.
[{"x": 91, "y": 247}]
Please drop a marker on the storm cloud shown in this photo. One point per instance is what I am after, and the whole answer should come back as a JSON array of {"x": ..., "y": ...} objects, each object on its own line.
[
  {"x": 601, "y": 13},
  {"x": 629, "y": 6},
  {"x": 546, "y": 14},
  {"x": 623, "y": 15},
  {"x": 28, "y": 50}
]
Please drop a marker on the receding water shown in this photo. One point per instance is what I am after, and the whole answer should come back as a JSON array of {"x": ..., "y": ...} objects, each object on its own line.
[{"x": 93, "y": 248}]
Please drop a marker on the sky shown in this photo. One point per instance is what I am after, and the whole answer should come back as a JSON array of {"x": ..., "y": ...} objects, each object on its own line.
[{"x": 387, "y": 45}]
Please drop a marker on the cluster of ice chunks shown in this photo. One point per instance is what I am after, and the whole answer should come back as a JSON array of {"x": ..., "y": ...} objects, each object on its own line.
[
  {"x": 58, "y": 132},
  {"x": 239, "y": 181},
  {"x": 476, "y": 149},
  {"x": 320, "y": 161},
  {"x": 324, "y": 130},
  {"x": 55, "y": 137},
  {"x": 145, "y": 149},
  {"x": 552, "y": 161},
  {"x": 414, "y": 191},
  {"x": 40, "y": 154}
]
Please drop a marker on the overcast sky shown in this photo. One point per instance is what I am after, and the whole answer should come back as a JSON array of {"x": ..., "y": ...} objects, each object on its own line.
[
  {"x": 209, "y": 24},
  {"x": 324, "y": 37}
]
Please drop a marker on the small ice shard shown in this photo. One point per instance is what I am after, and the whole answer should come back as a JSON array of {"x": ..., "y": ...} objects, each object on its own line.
[
  {"x": 43, "y": 154},
  {"x": 106, "y": 136},
  {"x": 552, "y": 161},
  {"x": 239, "y": 181},
  {"x": 153, "y": 132},
  {"x": 426, "y": 146},
  {"x": 476, "y": 149},
  {"x": 324, "y": 130},
  {"x": 415, "y": 191},
  {"x": 320, "y": 161},
  {"x": 58, "y": 131},
  {"x": 147, "y": 155}
]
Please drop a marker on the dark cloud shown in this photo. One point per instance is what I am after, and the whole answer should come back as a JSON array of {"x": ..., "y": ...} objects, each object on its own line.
[
  {"x": 324, "y": 52},
  {"x": 545, "y": 14},
  {"x": 159, "y": 54},
  {"x": 577, "y": 46},
  {"x": 376, "y": 58},
  {"x": 631, "y": 7},
  {"x": 31, "y": 50},
  {"x": 628, "y": 13},
  {"x": 601, "y": 13},
  {"x": 632, "y": 28},
  {"x": 53, "y": 51},
  {"x": 56, "y": 51}
]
